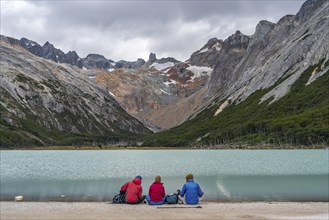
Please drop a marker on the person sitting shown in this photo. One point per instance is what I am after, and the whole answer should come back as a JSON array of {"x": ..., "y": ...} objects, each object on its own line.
[
  {"x": 191, "y": 191},
  {"x": 157, "y": 194},
  {"x": 133, "y": 191}
]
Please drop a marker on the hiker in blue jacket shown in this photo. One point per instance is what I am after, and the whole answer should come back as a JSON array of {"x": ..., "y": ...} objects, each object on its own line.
[{"x": 192, "y": 191}]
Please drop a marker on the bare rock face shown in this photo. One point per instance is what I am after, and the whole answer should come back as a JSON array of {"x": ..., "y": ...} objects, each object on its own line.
[
  {"x": 48, "y": 51},
  {"x": 276, "y": 51},
  {"x": 232, "y": 51},
  {"x": 97, "y": 61},
  {"x": 152, "y": 59},
  {"x": 56, "y": 97},
  {"x": 308, "y": 9},
  {"x": 208, "y": 55},
  {"x": 130, "y": 65}
]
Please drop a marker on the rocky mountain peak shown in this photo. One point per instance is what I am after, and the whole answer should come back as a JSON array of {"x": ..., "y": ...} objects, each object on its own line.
[
  {"x": 286, "y": 20},
  {"x": 208, "y": 54},
  {"x": 48, "y": 44},
  {"x": 211, "y": 43},
  {"x": 152, "y": 59},
  {"x": 9, "y": 40},
  {"x": 263, "y": 27},
  {"x": 130, "y": 64},
  {"x": 262, "y": 33},
  {"x": 237, "y": 41},
  {"x": 28, "y": 43},
  {"x": 72, "y": 53},
  {"x": 95, "y": 56},
  {"x": 308, "y": 8},
  {"x": 167, "y": 59},
  {"x": 238, "y": 32},
  {"x": 98, "y": 61}
]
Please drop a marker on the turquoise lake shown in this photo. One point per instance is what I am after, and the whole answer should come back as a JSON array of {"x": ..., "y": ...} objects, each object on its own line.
[{"x": 224, "y": 175}]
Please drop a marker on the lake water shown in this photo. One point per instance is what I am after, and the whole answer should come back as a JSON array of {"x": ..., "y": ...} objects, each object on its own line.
[{"x": 224, "y": 175}]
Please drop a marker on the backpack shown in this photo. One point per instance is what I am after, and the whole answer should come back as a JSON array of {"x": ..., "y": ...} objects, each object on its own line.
[
  {"x": 172, "y": 199},
  {"x": 119, "y": 198}
]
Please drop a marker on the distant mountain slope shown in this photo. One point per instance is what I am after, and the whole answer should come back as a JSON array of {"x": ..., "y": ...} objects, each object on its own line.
[
  {"x": 42, "y": 103},
  {"x": 299, "y": 118},
  {"x": 150, "y": 93},
  {"x": 271, "y": 87},
  {"x": 287, "y": 49}
]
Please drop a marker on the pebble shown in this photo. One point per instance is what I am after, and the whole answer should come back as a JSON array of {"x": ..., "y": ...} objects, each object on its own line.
[{"x": 19, "y": 198}]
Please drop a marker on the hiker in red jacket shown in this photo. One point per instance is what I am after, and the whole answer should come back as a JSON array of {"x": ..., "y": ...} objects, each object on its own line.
[
  {"x": 157, "y": 194},
  {"x": 133, "y": 191}
]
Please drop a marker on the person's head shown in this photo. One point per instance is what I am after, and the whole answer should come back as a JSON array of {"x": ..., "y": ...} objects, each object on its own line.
[
  {"x": 158, "y": 179},
  {"x": 137, "y": 181},
  {"x": 189, "y": 177},
  {"x": 138, "y": 177}
]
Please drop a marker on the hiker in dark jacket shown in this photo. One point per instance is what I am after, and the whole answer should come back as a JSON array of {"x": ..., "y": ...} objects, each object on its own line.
[
  {"x": 133, "y": 191},
  {"x": 191, "y": 191},
  {"x": 157, "y": 194}
]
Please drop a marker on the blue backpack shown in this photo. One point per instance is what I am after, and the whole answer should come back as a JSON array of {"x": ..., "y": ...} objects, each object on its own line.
[{"x": 172, "y": 199}]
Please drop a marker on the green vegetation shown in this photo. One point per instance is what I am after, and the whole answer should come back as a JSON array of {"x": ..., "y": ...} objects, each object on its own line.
[
  {"x": 299, "y": 118},
  {"x": 32, "y": 133}
]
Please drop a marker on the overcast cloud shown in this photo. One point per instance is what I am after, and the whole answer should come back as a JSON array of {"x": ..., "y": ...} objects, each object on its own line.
[{"x": 132, "y": 29}]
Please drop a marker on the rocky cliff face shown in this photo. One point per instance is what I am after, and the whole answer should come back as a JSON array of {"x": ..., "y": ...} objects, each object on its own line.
[
  {"x": 97, "y": 61},
  {"x": 130, "y": 65},
  {"x": 40, "y": 99},
  {"x": 208, "y": 55},
  {"x": 48, "y": 51},
  {"x": 281, "y": 51},
  {"x": 233, "y": 50}
]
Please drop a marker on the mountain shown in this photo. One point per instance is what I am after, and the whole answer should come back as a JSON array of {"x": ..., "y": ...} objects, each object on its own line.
[
  {"x": 49, "y": 52},
  {"x": 171, "y": 82},
  {"x": 208, "y": 54},
  {"x": 268, "y": 88},
  {"x": 149, "y": 92},
  {"x": 48, "y": 103}
]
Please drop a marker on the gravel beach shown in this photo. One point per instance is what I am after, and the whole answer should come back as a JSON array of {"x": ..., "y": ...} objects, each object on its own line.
[{"x": 209, "y": 210}]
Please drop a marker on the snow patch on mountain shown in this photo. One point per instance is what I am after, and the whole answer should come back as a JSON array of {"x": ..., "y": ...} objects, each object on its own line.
[
  {"x": 204, "y": 50},
  {"x": 164, "y": 92},
  {"x": 171, "y": 82},
  {"x": 199, "y": 71},
  {"x": 217, "y": 46},
  {"x": 111, "y": 93},
  {"x": 162, "y": 66}
]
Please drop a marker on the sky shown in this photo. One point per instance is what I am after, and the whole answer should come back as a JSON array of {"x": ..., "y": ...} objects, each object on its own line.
[{"x": 127, "y": 30}]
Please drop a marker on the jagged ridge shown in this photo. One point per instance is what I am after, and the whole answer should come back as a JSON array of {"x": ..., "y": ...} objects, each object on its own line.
[{"x": 46, "y": 103}]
